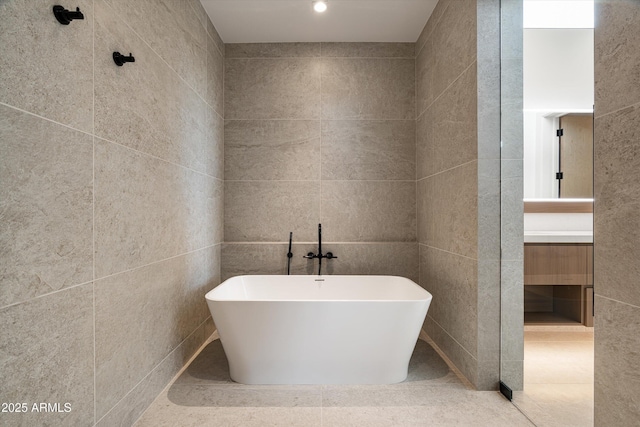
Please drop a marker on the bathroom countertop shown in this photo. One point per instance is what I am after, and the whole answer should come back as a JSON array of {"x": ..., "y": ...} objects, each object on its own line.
[{"x": 558, "y": 237}]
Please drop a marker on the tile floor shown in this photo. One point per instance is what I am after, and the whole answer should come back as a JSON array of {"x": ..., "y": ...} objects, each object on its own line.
[
  {"x": 433, "y": 395},
  {"x": 558, "y": 377}
]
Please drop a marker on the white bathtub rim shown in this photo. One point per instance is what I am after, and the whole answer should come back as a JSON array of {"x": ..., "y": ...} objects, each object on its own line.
[{"x": 425, "y": 295}]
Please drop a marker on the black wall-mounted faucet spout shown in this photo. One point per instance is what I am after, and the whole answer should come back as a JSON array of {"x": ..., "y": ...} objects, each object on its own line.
[{"x": 320, "y": 255}]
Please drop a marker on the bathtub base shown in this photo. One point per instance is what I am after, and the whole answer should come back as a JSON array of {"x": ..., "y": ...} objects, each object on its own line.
[{"x": 350, "y": 343}]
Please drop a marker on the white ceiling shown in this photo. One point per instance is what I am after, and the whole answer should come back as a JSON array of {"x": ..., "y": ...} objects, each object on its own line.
[{"x": 260, "y": 21}]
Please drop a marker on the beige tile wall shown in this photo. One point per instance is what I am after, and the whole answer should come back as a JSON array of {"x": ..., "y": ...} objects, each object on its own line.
[
  {"x": 616, "y": 221},
  {"x": 320, "y": 133},
  {"x": 458, "y": 182},
  {"x": 111, "y": 203},
  {"x": 113, "y": 198}
]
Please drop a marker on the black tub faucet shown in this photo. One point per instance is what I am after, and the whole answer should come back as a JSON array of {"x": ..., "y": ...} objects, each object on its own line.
[{"x": 320, "y": 255}]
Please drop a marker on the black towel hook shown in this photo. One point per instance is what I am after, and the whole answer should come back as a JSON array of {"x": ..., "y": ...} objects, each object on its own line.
[
  {"x": 120, "y": 59},
  {"x": 65, "y": 16}
]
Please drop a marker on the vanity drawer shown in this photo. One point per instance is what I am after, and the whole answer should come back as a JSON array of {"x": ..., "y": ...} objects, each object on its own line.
[{"x": 556, "y": 264}]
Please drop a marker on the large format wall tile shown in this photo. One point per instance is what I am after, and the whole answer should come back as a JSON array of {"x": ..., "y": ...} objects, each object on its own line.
[
  {"x": 267, "y": 258},
  {"x": 395, "y": 259},
  {"x": 215, "y": 77},
  {"x": 368, "y": 50},
  {"x": 423, "y": 147},
  {"x": 368, "y": 88},
  {"x": 447, "y": 50},
  {"x": 272, "y": 149},
  {"x": 425, "y": 77},
  {"x": 369, "y": 211},
  {"x": 510, "y": 152},
  {"x": 165, "y": 301},
  {"x": 617, "y": 351},
  {"x": 464, "y": 361},
  {"x": 454, "y": 44},
  {"x": 449, "y": 127},
  {"x": 392, "y": 259},
  {"x": 616, "y": 191},
  {"x": 511, "y": 206},
  {"x": 45, "y": 206},
  {"x": 616, "y": 220},
  {"x": 451, "y": 279},
  {"x": 145, "y": 105},
  {"x": 147, "y": 209},
  {"x": 215, "y": 146},
  {"x": 617, "y": 82},
  {"x": 168, "y": 26},
  {"x": 368, "y": 150},
  {"x": 512, "y": 313},
  {"x": 47, "y": 356},
  {"x": 130, "y": 408},
  {"x": 215, "y": 36},
  {"x": 142, "y": 190},
  {"x": 448, "y": 210},
  {"x": 266, "y": 211},
  {"x": 47, "y": 67},
  {"x": 431, "y": 24},
  {"x": 200, "y": 12},
  {"x": 272, "y": 50},
  {"x": 272, "y": 88},
  {"x": 489, "y": 214}
]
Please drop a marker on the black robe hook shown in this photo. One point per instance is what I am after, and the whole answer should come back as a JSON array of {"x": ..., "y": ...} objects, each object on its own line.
[
  {"x": 120, "y": 59},
  {"x": 65, "y": 16}
]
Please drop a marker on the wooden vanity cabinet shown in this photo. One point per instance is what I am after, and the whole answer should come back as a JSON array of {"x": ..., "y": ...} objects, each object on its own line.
[{"x": 558, "y": 279}]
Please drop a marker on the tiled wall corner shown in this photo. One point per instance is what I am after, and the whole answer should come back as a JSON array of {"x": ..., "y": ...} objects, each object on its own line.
[
  {"x": 447, "y": 179},
  {"x": 458, "y": 182}
]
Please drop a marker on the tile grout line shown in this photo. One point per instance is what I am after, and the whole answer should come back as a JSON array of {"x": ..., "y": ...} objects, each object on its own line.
[
  {"x": 94, "y": 136},
  {"x": 316, "y": 119},
  {"x": 153, "y": 156},
  {"x": 435, "y": 24},
  {"x": 448, "y": 252},
  {"x": 450, "y": 169},
  {"x": 46, "y": 119},
  {"x": 446, "y": 359},
  {"x": 415, "y": 151},
  {"x": 13, "y": 304},
  {"x": 92, "y": 281},
  {"x": 274, "y": 58},
  {"x": 329, "y": 180},
  {"x": 321, "y": 406},
  {"x": 617, "y": 301},
  {"x": 445, "y": 90},
  {"x": 394, "y": 242},
  {"x": 159, "y": 261},
  {"x": 634, "y": 105},
  {"x": 206, "y": 27}
]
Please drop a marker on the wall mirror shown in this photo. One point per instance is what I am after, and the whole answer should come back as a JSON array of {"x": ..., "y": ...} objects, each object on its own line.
[{"x": 558, "y": 99}]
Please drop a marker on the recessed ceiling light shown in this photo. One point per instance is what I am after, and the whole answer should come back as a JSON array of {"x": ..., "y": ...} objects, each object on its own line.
[{"x": 320, "y": 6}]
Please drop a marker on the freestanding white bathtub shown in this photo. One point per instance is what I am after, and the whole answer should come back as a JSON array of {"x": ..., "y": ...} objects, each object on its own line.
[{"x": 318, "y": 329}]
